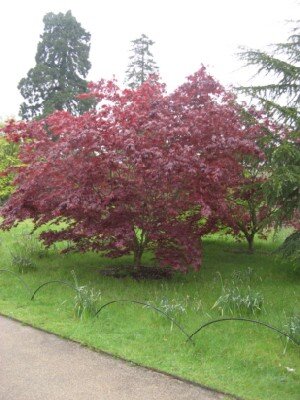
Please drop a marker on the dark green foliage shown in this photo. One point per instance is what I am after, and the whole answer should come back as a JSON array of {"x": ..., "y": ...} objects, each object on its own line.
[
  {"x": 141, "y": 62},
  {"x": 8, "y": 159},
  {"x": 280, "y": 98},
  {"x": 283, "y": 190},
  {"x": 290, "y": 248},
  {"x": 61, "y": 66},
  {"x": 283, "y": 185}
]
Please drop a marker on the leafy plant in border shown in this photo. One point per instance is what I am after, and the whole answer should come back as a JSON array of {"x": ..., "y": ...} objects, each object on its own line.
[
  {"x": 172, "y": 307},
  {"x": 235, "y": 301},
  {"x": 238, "y": 301},
  {"x": 26, "y": 247},
  {"x": 292, "y": 326},
  {"x": 86, "y": 300}
]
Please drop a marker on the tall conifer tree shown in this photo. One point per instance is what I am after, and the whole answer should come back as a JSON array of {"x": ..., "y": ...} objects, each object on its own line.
[
  {"x": 61, "y": 67},
  {"x": 281, "y": 99},
  {"x": 142, "y": 63}
]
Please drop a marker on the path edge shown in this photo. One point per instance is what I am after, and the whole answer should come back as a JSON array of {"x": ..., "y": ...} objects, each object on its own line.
[{"x": 124, "y": 360}]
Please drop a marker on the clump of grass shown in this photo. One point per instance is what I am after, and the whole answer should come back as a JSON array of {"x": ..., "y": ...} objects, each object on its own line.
[
  {"x": 238, "y": 301},
  {"x": 26, "y": 247},
  {"x": 23, "y": 262},
  {"x": 243, "y": 276},
  {"x": 86, "y": 300},
  {"x": 292, "y": 326},
  {"x": 235, "y": 301},
  {"x": 172, "y": 307}
]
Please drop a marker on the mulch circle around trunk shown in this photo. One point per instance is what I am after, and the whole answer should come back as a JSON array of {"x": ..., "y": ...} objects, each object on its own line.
[{"x": 138, "y": 273}]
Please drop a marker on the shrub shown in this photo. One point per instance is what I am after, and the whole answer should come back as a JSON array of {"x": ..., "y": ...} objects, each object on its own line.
[
  {"x": 8, "y": 159},
  {"x": 25, "y": 248},
  {"x": 290, "y": 249}
]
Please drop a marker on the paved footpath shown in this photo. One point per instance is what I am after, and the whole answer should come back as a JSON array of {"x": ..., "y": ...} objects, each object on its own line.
[{"x": 35, "y": 365}]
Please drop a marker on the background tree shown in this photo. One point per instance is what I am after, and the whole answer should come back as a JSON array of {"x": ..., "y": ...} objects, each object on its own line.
[
  {"x": 141, "y": 63},
  {"x": 249, "y": 212},
  {"x": 281, "y": 100},
  {"x": 282, "y": 97},
  {"x": 8, "y": 159},
  {"x": 61, "y": 66}
]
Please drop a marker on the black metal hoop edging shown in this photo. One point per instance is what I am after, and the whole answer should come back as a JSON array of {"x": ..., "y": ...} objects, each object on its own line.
[
  {"x": 245, "y": 320},
  {"x": 48, "y": 283},
  {"x": 189, "y": 337},
  {"x": 149, "y": 306},
  {"x": 17, "y": 276}
]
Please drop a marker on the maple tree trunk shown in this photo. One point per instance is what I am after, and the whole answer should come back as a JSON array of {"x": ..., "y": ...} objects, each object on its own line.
[
  {"x": 139, "y": 244},
  {"x": 250, "y": 240},
  {"x": 137, "y": 257}
]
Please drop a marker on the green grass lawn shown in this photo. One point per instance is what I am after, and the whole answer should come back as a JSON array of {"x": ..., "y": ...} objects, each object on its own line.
[{"x": 243, "y": 359}]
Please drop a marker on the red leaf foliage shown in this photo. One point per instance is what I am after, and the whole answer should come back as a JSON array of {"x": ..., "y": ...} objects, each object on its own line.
[{"x": 147, "y": 169}]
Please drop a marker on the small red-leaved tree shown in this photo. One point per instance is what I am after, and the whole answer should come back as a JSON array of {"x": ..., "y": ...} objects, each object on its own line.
[
  {"x": 146, "y": 170},
  {"x": 249, "y": 211}
]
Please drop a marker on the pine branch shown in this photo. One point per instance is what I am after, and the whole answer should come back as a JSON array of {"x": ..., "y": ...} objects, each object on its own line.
[{"x": 268, "y": 64}]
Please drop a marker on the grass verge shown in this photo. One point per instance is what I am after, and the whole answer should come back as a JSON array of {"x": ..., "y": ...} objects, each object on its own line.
[{"x": 239, "y": 358}]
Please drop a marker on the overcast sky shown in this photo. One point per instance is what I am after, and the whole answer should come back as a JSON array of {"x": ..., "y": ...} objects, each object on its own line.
[{"x": 187, "y": 33}]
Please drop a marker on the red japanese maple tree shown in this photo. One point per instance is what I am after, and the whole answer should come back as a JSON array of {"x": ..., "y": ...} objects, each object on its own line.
[
  {"x": 250, "y": 212},
  {"x": 146, "y": 170}
]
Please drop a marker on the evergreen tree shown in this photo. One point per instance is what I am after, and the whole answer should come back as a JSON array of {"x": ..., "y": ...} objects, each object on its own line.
[
  {"x": 61, "y": 66},
  {"x": 8, "y": 159},
  {"x": 141, "y": 63},
  {"x": 282, "y": 97},
  {"x": 282, "y": 100}
]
